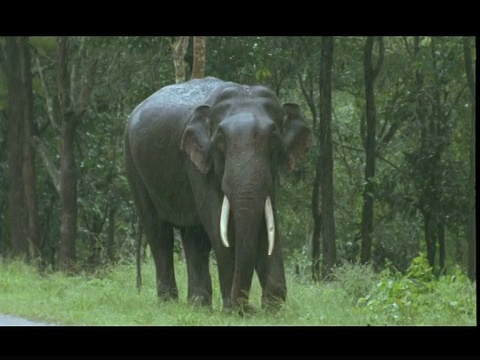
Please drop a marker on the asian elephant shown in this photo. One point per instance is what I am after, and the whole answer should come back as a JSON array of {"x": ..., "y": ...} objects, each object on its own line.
[{"x": 203, "y": 156}]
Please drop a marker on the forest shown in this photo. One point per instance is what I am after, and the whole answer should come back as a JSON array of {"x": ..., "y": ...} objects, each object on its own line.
[{"x": 390, "y": 175}]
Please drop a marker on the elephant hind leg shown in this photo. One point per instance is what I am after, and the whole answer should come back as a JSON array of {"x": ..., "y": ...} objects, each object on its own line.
[
  {"x": 161, "y": 244},
  {"x": 159, "y": 235},
  {"x": 196, "y": 244}
]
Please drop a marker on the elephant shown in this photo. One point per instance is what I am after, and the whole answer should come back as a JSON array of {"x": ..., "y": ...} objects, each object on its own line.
[{"x": 203, "y": 156}]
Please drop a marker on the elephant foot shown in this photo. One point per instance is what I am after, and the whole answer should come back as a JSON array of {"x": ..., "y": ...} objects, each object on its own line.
[
  {"x": 167, "y": 294},
  {"x": 245, "y": 310},
  {"x": 272, "y": 307},
  {"x": 200, "y": 301},
  {"x": 274, "y": 297}
]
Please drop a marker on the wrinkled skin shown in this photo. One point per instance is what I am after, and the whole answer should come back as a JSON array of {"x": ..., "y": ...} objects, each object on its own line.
[{"x": 187, "y": 147}]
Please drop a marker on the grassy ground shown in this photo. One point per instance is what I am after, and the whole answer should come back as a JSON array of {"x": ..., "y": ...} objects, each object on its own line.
[{"x": 109, "y": 298}]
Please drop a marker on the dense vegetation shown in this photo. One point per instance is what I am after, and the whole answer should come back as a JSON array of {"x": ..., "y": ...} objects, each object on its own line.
[{"x": 402, "y": 137}]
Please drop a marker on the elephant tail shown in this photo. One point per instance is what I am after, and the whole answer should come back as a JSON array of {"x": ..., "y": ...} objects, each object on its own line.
[{"x": 138, "y": 256}]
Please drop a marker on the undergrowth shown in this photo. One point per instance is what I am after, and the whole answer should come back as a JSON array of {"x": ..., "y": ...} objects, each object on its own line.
[{"x": 356, "y": 296}]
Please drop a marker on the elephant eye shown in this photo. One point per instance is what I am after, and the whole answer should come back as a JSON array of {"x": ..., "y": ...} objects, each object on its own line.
[
  {"x": 275, "y": 137},
  {"x": 219, "y": 140}
]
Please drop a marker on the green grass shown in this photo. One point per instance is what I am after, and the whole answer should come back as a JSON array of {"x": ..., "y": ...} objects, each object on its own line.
[{"x": 109, "y": 298}]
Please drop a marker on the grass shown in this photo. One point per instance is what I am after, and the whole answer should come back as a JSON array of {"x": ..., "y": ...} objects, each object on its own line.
[{"x": 110, "y": 298}]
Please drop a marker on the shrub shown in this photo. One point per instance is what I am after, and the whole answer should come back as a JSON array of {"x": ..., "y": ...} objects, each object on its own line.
[
  {"x": 357, "y": 279},
  {"x": 419, "y": 295}
]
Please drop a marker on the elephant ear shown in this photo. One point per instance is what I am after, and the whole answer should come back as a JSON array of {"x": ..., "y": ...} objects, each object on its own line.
[
  {"x": 297, "y": 136},
  {"x": 196, "y": 139}
]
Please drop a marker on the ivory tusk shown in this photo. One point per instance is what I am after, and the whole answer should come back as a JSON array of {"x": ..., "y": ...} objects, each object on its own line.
[
  {"x": 224, "y": 221},
  {"x": 270, "y": 224}
]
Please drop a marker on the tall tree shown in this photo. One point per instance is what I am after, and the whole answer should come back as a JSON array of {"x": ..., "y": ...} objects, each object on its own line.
[
  {"x": 438, "y": 120},
  {"x": 322, "y": 193},
  {"x": 24, "y": 221},
  {"x": 329, "y": 251},
  {"x": 471, "y": 231},
  {"x": 371, "y": 72},
  {"x": 198, "y": 68},
  {"x": 179, "y": 49},
  {"x": 73, "y": 107}
]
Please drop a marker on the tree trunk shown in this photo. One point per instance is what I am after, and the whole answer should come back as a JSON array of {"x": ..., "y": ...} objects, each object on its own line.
[
  {"x": 371, "y": 73},
  {"x": 179, "y": 50},
  {"x": 198, "y": 69},
  {"x": 471, "y": 230},
  {"x": 326, "y": 158},
  {"x": 426, "y": 195},
  {"x": 15, "y": 50},
  {"x": 68, "y": 197},
  {"x": 71, "y": 115},
  {"x": 438, "y": 122},
  {"x": 317, "y": 222},
  {"x": 441, "y": 246},
  {"x": 111, "y": 235},
  {"x": 430, "y": 237},
  {"x": 29, "y": 159}
]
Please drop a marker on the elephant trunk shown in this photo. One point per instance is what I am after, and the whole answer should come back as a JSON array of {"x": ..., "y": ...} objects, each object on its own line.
[
  {"x": 249, "y": 216},
  {"x": 248, "y": 219}
]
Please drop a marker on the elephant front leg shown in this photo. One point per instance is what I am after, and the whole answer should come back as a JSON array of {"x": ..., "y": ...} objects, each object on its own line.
[
  {"x": 271, "y": 274},
  {"x": 197, "y": 253}
]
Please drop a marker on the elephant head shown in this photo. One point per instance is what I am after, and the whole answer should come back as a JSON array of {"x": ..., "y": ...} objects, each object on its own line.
[{"x": 239, "y": 141}]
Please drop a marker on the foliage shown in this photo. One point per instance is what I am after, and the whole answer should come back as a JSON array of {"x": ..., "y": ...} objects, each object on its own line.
[
  {"x": 131, "y": 68},
  {"x": 419, "y": 297},
  {"x": 357, "y": 279}
]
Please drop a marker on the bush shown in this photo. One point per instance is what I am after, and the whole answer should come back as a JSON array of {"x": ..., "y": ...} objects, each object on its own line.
[
  {"x": 419, "y": 295},
  {"x": 357, "y": 279}
]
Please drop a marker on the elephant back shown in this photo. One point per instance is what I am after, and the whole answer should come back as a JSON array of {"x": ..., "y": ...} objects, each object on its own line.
[{"x": 183, "y": 97}]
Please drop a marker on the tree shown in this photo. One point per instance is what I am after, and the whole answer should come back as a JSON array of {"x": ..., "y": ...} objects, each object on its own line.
[
  {"x": 371, "y": 73},
  {"x": 73, "y": 107},
  {"x": 179, "y": 54},
  {"x": 322, "y": 193},
  {"x": 179, "y": 49},
  {"x": 326, "y": 158},
  {"x": 436, "y": 92},
  {"x": 24, "y": 224},
  {"x": 198, "y": 68},
  {"x": 422, "y": 174},
  {"x": 471, "y": 232}
]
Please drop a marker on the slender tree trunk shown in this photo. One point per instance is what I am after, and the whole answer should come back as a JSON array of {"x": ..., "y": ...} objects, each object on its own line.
[
  {"x": 111, "y": 235},
  {"x": 441, "y": 246},
  {"x": 3, "y": 242},
  {"x": 29, "y": 159},
  {"x": 471, "y": 230},
  {"x": 72, "y": 113},
  {"x": 179, "y": 50},
  {"x": 329, "y": 253},
  {"x": 15, "y": 50},
  {"x": 198, "y": 69},
  {"x": 430, "y": 237},
  {"x": 68, "y": 198},
  {"x": 426, "y": 195},
  {"x": 317, "y": 222},
  {"x": 371, "y": 73}
]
